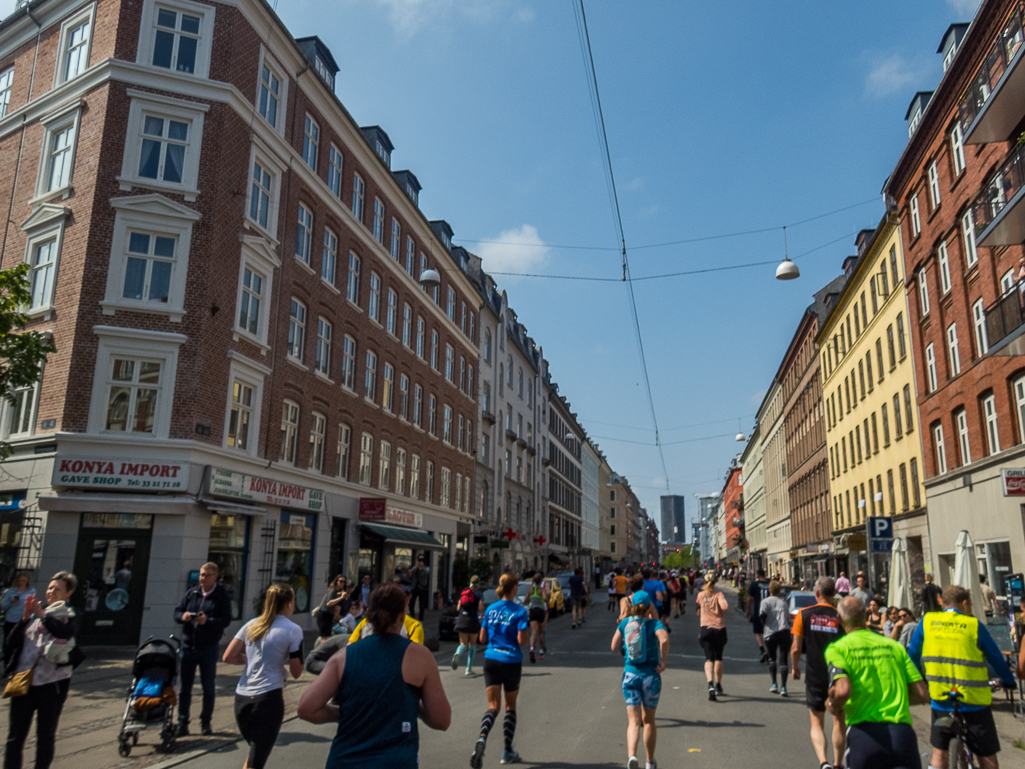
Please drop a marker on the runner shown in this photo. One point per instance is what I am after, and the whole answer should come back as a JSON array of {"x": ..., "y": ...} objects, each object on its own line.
[
  {"x": 953, "y": 648},
  {"x": 471, "y": 608},
  {"x": 674, "y": 593},
  {"x": 578, "y": 591},
  {"x": 621, "y": 584},
  {"x": 872, "y": 681},
  {"x": 665, "y": 611},
  {"x": 815, "y": 628},
  {"x": 697, "y": 584},
  {"x": 411, "y": 628},
  {"x": 504, "y": 630},
  {"x": 612, "y": 589},
  {"x": 775, "y": 616},
  {"x": 646, "y": 651},
  {"x": 657, "y": 591},
  {"x": 712, "y": 608},
  {"x": 537, "y": 611},
  {"x": 756, "y": 593}
]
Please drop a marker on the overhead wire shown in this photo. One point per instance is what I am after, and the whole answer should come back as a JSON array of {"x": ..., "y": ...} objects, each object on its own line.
[{"x": 618, "y": 220}]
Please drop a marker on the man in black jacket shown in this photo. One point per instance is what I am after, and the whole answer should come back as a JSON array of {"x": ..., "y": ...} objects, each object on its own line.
[{"x": 204, "y": 612}]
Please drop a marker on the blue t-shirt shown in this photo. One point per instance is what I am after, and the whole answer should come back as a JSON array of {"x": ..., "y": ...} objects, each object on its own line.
[
  {"x": 504, "y": 620},
  {"x": 652, "y": 586},
  {"x": 647, "y": 667},
  {"x": 576, "y": 585}
]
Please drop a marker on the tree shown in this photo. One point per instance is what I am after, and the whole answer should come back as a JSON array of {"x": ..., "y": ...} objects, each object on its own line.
[{"x": 22, "y": 353}]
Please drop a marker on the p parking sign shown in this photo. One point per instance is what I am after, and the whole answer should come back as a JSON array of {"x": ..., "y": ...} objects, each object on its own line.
[{"x": 880, "y": 535}]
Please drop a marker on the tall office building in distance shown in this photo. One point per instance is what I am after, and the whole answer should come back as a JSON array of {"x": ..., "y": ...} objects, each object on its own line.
[{"x": 674, "y": 523}]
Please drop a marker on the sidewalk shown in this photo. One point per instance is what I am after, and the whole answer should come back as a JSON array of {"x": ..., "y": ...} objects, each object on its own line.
[{"x": 87, "y": 736}]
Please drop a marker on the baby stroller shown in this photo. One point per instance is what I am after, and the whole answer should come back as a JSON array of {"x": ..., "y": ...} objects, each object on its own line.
[{"x": 152, "y": 695}]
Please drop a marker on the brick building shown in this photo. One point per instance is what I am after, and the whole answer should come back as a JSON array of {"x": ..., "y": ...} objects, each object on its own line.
[
  {"x": 248, "y": 369},
  {"x": 563, "y": 479},
  {"x": 956, "y": 189},
  {"x": 807, "y": 459},
  {"x": 734, "y": 542}
]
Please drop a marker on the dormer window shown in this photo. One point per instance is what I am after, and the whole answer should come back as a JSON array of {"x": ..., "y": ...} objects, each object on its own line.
[
  {"x": 324, "y": 72},
  {"x": 382, "y": 152},
  {"x": 913, "y": 125},
  {"x": 446, "y": 241},
  {"x": 412, "y": 194}
]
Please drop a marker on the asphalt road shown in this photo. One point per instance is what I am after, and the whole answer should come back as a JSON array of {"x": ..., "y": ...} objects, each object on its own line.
[{"x": 572, "y": 714}]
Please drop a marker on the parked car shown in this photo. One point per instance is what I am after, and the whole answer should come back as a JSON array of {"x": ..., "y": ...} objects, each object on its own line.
[{"x": 799, "y": 599}]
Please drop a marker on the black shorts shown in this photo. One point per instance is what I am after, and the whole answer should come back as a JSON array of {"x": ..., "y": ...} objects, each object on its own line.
[
  {"x": 757, "y": 625},
  {"x": 259, "y": 721},
  {"x": 665, "y": 609},
  {"x": 816, "y": 692},
  {"x": 981, "y": 737},
  {"x": 578, "y": 600},
  {"x": 882, "y": 746},
  {"x": 536, "y": 615},
  {"x": 713, "y": 641},
  {"x": 504, "y": 674}
]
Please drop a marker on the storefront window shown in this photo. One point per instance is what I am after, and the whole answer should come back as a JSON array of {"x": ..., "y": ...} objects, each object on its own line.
[
  {"x": 229, "y": 546},
  {"x": 368, "y": 561},
  {"x": 403, "y": 560},
  {"x": 295, "y": 555},
  {"x": 116, "y": 521}
]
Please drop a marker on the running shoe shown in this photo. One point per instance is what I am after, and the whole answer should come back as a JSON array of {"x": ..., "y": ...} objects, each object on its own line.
[
  {"x": 543, "y": 650},
  {"x": 633, "y": 763},
  {"x": 718, "y": 689},
  {"x": 532, "y": 660},
  {"x": 510, "y": 757},
  {"x": 774, "y": 689},
  {"x": 711, "y": 693},
  {"x": 455, "y": 662},
  {"x": 468, "y": 673},
  {"x": 477, "y": 757},
  {"x": 783, "y": 692},
  {"x": 574, "y": 625}
]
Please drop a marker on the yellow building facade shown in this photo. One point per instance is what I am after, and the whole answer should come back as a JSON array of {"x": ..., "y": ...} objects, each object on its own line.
[{"x": 872, "y": 429}]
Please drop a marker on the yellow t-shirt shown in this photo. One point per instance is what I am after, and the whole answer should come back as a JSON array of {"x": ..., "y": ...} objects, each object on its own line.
[{"x": 411, "y": 629}]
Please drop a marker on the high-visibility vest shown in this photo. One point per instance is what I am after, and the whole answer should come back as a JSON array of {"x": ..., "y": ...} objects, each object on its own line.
[{"x": 952, "y": 657}]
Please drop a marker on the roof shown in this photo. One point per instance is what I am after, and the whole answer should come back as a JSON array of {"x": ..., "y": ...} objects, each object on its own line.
[
  {"x": 920, "y": 100},
  {"x": 955, "y": 30}
]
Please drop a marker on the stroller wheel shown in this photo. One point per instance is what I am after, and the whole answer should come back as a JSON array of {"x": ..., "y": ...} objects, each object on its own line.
[{"x": 123, "y": 748}]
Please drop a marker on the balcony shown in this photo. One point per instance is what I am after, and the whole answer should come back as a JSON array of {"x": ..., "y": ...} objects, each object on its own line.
[
  {"x": 510, "y": 434},
  {"x": 1005, "y": 323},
  {"x": 995, "y": 101},
  {"x": 999, "y": 218},
  {"x": 487, "y": 416}
]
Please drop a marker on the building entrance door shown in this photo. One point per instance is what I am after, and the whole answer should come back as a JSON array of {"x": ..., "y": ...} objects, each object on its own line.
[{"x": 111, "y": 562}]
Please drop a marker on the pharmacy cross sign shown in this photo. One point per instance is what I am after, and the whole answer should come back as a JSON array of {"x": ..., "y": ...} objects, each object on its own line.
[
  {"x": 540, "y": 541},
  {"x": 509, "y": 534}
]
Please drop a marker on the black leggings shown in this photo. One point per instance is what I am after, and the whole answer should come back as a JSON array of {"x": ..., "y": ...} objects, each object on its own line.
[
  {"x": 46, "y": 702},
  {"x": 259, "y": 721},
  {"x": 777, "y": 646},
  {"x": 882, "y": 746}
]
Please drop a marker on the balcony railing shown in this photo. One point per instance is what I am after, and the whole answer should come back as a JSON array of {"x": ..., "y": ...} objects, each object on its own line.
[
  {"x": 987, "y": 88},
  {"x": 1004, "y": 316},
  {"x": 999, "y": 220}
]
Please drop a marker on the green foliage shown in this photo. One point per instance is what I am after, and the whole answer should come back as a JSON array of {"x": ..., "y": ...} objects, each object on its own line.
[
  {"x": 22, "y": 353},
  {"x": 681, "y": 560}
]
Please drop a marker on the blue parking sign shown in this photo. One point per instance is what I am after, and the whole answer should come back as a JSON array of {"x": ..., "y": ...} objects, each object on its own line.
[{"x": 880, "y": 535}]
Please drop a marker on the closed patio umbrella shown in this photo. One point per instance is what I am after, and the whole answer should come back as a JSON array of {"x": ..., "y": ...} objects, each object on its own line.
[
  {"x": 900, "y": 593},
  {"x": 966, "y": 572}
]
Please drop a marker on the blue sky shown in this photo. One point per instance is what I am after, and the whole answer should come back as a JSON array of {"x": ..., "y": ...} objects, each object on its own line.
[{"x": 721, "y": 117}]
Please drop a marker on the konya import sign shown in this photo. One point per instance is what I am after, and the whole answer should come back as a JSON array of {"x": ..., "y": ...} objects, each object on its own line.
[
  {"x": 110, "y": 473},
  {"x": 251, "y": 488}
]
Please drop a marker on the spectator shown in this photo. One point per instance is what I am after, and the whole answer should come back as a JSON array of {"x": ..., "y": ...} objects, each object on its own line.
[
  {"x": 843, "y": 585},
  {"x": 875, "y": 617},
  {"x": 203, "y": 612},
  {"x": 348, "y": 621},
  {"x": 389, "y": 685},
  {"x": 420, "y": 578},
  {"x": 904, "y": 627},
  {"x": 40, "y": 643},
  {"x": 989, "y": 598},
  {"x": 364, "y": 590},
  {"x": 861, "y": 592},
  {"x": 892, "y": 615},
  {"x": 930, "y": 596},
  {"x": 335, "y": 602},
  {"x": 12, "y": 604}
]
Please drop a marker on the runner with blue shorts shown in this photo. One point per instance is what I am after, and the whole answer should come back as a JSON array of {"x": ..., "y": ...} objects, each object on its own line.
[{"x": 645, "y": 644}]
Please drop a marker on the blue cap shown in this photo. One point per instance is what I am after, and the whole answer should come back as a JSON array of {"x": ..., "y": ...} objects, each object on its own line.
[{"x": 641, "y": 598}]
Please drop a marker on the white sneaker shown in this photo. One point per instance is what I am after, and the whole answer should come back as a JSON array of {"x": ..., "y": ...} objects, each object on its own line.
[{"x": 633, "y": 763}]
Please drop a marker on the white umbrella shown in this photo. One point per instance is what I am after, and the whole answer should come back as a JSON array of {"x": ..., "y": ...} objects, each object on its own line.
[
  {"x": 966, "y": 573},
  {"x": 900, "y": 594}
]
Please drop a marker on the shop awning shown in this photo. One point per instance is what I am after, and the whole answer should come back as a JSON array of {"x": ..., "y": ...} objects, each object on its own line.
[
  {"x": 399, "y": 536},
  {"x": 232, "y": 508},
  {"x": 159, "y": 504}
]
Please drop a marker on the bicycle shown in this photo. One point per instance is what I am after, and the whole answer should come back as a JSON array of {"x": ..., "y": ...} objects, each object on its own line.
[{"x": 959, "y": 756}]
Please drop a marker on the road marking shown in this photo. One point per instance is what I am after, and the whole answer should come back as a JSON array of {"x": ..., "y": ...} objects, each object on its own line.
[{"x": 684, "y": 656}]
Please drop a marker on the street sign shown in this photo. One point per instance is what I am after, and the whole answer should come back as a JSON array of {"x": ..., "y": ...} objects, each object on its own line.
[
  {"x": 880, "y": 535},
  {"x": 499, "y": 544}
]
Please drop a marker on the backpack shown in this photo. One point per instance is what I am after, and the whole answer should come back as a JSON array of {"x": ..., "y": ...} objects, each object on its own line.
[
  {"x": 466, "y": 600},
  {"x": 635, "y": 640}
]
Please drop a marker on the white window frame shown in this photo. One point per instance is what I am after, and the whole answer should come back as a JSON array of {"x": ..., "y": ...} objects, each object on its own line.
[
  {"x": 118, "y": 342},
  {"x": 359, "y": 192},
  {"x": 311, "y": 142},
  {"x": 388, "y": 387},
  {"x": 352, "y": 278},
  {"x": 318, "y": 439},
  {"x": 157, "y": 215},
  {"x": 400, "y": 471},
  {"x": 930, "y": 367},
  {"x": 378, "y": 224},
  {"x": 968, "y": 234},
  {"x": 963, "y": 439},
  {"x": 274, "y": 169},
  {"x": 206, "y": 14},
  {"x": 923, "y": 292},
  {"x": 300, "y": 325},
  {"x": 15, "y": 411},
  {"x": 66, "y": 118},
  {"x": 407, "y": 324},
  {"x": 167, "y": 108},
  {"x": 370, "y": 377},
  {"x": 391, "y": 311},
  {"x": 916, "y": 221},
  {"x": 979, "y": 320},
  {"x": 268, "y": 61},
  {"x": 343, "y": 456},
  {"x": 1007, "y": 282},
  {"x": 957, "y": 149},
  {"x": 348, "y": 372},
  {"x": 1019, "y": 403},
  {"x": 940, "y": 447},
  {"x": 952, "y": 350},
  {"x": 322, "y": 353},
  {"x": 989, "y": 418},
  {"x": 374, "y": 298},
  {"x": 366, "y": 459},
  {"x": 87, "y": 15},
  {"x": 944, "y": 260},
  {"x": 293, "y": 429},
  {"x": 329, "y": 259},
  {"x": 934, "y": 185},
  {"x": 395, "y": 245},
  {"x": 250, "y": 373},
  {"x": 6, "y": 86},
  {"x": 304, "y": 234},
  {"x": 262, "y": 260},
  {"x": 335, "y": 169},
  {"x": 384, "y": 466}
]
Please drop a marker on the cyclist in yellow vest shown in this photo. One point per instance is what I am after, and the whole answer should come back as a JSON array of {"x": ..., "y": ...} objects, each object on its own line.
[{"x": 952, "y": 649}]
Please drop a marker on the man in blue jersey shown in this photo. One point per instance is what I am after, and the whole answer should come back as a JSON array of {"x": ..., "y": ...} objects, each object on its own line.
[{"x": 656, "y": 589}]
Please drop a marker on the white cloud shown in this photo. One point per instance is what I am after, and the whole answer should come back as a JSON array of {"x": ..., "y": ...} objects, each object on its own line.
[
  {"x": 411, "y": 16},
  {"x": 894, "y": 74},
  {"x": 966, "y": 8},
  {"x": 517, "y": 250}
]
